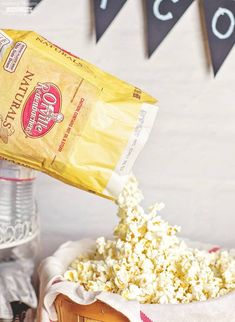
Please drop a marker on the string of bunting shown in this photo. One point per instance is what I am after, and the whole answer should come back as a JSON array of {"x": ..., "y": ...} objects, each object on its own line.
[{"x": 162, "y": 15}]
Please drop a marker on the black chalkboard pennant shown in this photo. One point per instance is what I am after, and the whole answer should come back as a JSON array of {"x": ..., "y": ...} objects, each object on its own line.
[
  {"x": 162, "y": 15},
  {"x": 33, "y": 4},
  {"x": 220, "y": 25},
  {"x": 105, "y": 12}
]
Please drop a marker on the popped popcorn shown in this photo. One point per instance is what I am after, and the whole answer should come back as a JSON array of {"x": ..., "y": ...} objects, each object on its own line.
[{"x": 147, "y": 262}]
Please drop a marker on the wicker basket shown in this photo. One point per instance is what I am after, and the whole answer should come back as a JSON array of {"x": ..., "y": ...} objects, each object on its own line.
[{"x": 68, "y": 311}]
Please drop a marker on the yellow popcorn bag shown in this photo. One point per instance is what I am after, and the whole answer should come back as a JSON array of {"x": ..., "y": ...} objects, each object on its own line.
[{"x": 67, "y": 118}]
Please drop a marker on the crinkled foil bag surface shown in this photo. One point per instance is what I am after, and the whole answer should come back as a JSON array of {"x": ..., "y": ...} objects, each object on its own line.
[{"x": 63, "y": 116}]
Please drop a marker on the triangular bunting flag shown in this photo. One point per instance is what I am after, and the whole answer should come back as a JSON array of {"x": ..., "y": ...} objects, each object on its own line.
[
  {"x": 162, "y": 15},
  {"x": 220, "y": 24},
  {"x": 105, "y": 12},
  {"x": 33, "y": 4}
]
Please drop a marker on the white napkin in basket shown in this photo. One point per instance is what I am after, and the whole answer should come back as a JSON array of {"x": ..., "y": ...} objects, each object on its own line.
[{"x": 52, "y": 283}]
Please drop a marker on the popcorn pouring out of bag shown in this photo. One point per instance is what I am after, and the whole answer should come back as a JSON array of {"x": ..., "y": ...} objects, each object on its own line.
[{"x": 146, "y": 261}]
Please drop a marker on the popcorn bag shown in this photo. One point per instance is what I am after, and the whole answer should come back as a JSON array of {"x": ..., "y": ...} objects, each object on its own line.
[
  {"x": 64, "y": 301},
  {"x": 63, "y": 116}
]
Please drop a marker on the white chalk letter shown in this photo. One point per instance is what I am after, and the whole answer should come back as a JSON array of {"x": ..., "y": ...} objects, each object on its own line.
[
  {"x": 157, "y": 13},
  {"x": 220, "y": 12},
  {"x": 103, "y": 4}
]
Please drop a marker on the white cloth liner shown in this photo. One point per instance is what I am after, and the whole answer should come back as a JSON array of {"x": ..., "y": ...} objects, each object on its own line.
[{"x": 52, "y": 283}]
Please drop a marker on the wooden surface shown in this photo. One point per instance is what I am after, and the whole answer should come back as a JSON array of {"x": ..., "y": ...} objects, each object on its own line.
[{"x": 68, "y": 311}]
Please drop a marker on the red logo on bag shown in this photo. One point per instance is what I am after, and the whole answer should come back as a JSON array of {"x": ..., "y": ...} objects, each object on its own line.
[{"x": 42, "y": 110}]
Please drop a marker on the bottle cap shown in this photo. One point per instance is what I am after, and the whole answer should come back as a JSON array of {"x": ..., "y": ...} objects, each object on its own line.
[{"x": 14, "y": 172}]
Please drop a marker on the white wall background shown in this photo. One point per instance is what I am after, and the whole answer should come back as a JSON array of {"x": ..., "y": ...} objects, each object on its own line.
[{"x": 189, "y": 161}]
